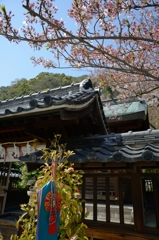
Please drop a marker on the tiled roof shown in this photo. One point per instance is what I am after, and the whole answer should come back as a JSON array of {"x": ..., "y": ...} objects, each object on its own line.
[
  {"x": 55, "y": 97},
  {"x": 141, "y": 137},
  {"x": 71, "y": 97},
  {"x": 68, "y": 95},
  {"x": 124, "y": 110},
  {"x": 134, "y": 139},
  {"x": 128, "y": 147},
  {"x": 60, "y": 91},
  {"x": 107, "y": 154},
  {"x": 46, "y": 101}
]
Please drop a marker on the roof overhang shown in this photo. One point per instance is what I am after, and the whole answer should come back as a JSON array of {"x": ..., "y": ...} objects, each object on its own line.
[
  {"x": 78, "y": 115},
  {"x": 117, "y": 148}
]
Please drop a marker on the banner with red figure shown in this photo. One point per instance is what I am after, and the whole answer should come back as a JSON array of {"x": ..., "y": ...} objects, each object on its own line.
[{"x": 48, "y": 219}]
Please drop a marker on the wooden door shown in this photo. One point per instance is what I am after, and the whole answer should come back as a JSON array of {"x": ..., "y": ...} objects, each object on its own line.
[{"x": 5, "y": 169}]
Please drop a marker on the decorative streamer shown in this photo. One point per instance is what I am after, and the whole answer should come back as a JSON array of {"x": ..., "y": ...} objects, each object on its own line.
[
  {"x": 10, "y": 151},
  {"x": 2, "y": 152},
  {"x": 20, "y": 151},
  {"x": 34, "y": 141},
  {"x": 6, "y": 153},
  {"x": 28, "y": 148},
  {"x": 1, "y": 148}
]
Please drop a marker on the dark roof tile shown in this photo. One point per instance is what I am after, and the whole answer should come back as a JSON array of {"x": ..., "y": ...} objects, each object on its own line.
[{"x": 112, "y": 147}]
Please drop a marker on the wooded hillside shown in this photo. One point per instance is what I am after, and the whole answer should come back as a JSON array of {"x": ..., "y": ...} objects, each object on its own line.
[
  {"x": 46, "y": 80},
  {"x": 42, "y": 81}
]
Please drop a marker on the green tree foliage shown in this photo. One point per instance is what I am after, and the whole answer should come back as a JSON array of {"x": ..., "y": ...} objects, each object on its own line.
[
  {"x": 1, "y": 238},
  {"x": 67, "y": 182},
  {"x": 26, "y": 176},
  {"x": 42, "y": 81}
]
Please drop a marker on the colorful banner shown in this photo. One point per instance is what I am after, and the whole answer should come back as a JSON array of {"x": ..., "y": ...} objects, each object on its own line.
[{"x": 48, "y": 212}]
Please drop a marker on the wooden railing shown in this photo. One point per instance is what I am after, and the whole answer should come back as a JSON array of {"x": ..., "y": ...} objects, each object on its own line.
[
  {"x": 105, "y": 196},
  {"x": 121, "y": 200}
]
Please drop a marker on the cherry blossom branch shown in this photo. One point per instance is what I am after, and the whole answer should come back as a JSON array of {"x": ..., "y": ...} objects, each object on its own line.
[{"x": 109, "y": 37}]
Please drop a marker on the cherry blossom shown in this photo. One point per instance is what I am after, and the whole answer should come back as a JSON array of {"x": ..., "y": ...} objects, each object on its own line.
[{"x": 117, "y": 38}]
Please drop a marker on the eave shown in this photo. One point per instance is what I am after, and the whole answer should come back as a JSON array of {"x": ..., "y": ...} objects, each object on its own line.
[
  {"x": 127, "y": 148},
  {"x": 43, "y": 115}
]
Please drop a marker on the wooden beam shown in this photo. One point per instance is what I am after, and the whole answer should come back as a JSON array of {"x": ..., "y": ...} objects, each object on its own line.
[
  {"x": 11, "y": 127},
  {"x": 16, "y": 139},
  {"x": 125, "y": 126},
  {"x": 99, "y": 117},
  {"x": 144, "y": 164},
  {"x": 70, "y": 115},
  {"x": 39, "y": 134},
  {"x": 108, "y": 175},
  {"x": 108, "y": 234},
  {"x": 103, "y": 166},
  {"x": 42, "y": 123},
  {"x": 54, "y": 122}
]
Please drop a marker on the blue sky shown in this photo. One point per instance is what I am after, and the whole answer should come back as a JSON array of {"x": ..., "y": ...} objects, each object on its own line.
[{"x": 15, "y": 60}]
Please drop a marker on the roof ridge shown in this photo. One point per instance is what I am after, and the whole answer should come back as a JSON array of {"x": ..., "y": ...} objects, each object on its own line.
[{"x": 38, "y": 94}]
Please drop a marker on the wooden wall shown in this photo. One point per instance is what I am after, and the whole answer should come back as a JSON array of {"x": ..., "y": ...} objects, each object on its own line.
[{"x": 121, "y": 204}]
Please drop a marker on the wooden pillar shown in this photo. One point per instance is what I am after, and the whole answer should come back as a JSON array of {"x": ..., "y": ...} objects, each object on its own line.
[
  {"x": 138, "y": 204},
  {"x": 116, "y": 185},
  {"x": 95, "y": 199},
  {"x": 107, "y": 200},
  {"x": 4, "y": 189},
  {"x": 156, "y": 199},
  {"x": 121, "y": 210},
  {"x": 83, "y": 195}
]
